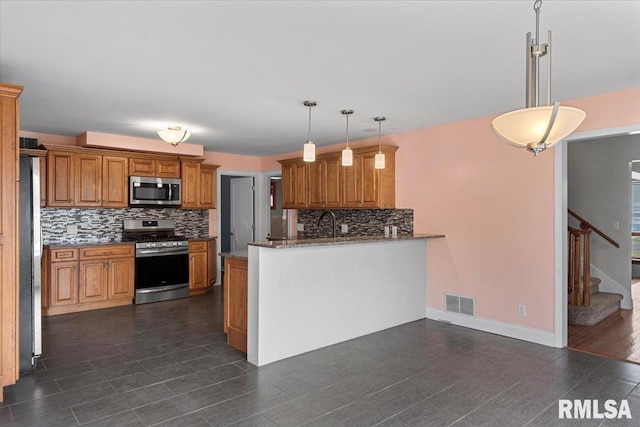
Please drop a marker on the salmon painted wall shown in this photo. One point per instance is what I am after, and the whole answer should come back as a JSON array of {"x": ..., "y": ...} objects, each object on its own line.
[{"x": 494, "y": 203}]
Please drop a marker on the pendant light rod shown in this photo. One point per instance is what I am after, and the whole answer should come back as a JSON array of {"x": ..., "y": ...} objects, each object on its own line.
[
  {"x": 379, "y": 120},
  {"x": 347, "y": 113},
  {"x": 310, "y": 104}
]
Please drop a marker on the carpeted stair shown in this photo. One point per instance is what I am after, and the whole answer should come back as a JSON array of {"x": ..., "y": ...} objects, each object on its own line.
[{"x": 602, "y": 305}]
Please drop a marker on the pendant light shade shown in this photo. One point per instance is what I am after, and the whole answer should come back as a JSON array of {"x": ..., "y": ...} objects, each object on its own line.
[
  {"x": 347, "y": 154},
  {"x": 535, "y": 127},
  {"x": 174, "y": 135},
  {"x": 525, "y": 128},
  {"x": 309, "y": 153},
  {"x": 379, "y": 159}
]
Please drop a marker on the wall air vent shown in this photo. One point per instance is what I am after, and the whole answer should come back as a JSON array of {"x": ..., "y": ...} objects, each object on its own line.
[
  {"x": 460, "y": 304},
  {"x": 27, "y": 142}
]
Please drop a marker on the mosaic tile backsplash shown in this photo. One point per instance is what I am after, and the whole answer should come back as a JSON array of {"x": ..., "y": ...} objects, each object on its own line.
[
  {"x": 361, "y": 222},
  {"x": 105, "y": 225}
]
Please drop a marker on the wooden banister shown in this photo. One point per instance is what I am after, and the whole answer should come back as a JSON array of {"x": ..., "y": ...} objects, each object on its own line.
[
  {"x": 586, "y": 225},
  {"x": 579, "y": 266}
]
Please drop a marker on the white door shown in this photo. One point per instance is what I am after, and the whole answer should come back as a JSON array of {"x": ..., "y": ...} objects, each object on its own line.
[{"x": 242, "y": 213}]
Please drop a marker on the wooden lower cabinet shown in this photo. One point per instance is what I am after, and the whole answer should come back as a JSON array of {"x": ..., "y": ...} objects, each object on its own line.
[
  {"x": 87, "y": 278},
  {"x": 235, "y": 302},
  {"x": 200, "y": 267}
]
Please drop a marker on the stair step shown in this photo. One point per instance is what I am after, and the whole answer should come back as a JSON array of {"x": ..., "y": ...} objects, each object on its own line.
[
  {"x": 602, "y": 305},
  {"x": 595, "y": 285}
]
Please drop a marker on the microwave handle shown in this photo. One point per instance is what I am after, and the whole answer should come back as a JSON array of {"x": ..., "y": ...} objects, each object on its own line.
[{"x": 170, "y": 188}]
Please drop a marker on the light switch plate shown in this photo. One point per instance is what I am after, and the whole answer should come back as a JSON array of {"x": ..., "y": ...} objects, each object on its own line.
[
  {"x": 344, "y": 228},
  {"x": 300, "y": 227},
  {"x": 72, "y": 229}
]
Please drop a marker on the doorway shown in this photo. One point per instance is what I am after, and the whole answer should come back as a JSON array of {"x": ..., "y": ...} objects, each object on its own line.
[{"x": 599, "y": 188}]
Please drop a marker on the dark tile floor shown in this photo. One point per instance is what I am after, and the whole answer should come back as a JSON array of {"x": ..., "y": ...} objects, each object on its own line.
[{"x": 168, "y": 364}]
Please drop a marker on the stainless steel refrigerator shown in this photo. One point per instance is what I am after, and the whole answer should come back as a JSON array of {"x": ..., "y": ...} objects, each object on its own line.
[{"x": 30, "y": 315}]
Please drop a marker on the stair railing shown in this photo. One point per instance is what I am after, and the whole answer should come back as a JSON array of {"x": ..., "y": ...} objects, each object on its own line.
[{"x": 580, "y": 260}]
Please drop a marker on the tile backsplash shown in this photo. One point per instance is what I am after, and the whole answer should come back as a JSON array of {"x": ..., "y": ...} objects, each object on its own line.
[
  {"x": 105, "y": 225},
  {"x": 361, "y": 222}
]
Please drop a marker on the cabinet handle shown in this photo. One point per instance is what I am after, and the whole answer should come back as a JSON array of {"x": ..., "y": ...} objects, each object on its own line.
[{"x": 64, "y": 255}]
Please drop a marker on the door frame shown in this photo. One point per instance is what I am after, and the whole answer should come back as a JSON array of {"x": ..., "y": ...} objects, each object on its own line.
[
  {"x": 265, "y": 189},
  {"x": 258, "y": 203},
  {"x": 561, "y": 240}
]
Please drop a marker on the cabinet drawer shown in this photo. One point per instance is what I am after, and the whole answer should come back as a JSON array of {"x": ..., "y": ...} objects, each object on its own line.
[
  {"x": 198, "y": 246},
  {"x": 96, "y": 252},
  {"x": 66, "y": 254}
]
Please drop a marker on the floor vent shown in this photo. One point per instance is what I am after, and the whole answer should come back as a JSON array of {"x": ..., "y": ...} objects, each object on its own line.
[{"x": 459, "y": 304}]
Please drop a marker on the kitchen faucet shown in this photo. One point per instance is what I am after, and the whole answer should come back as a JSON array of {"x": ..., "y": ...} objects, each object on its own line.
[{"x": 333, "y": 221}]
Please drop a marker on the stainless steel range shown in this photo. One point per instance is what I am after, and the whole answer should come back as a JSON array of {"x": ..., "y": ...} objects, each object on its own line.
[{"x": 162, "y": 260}]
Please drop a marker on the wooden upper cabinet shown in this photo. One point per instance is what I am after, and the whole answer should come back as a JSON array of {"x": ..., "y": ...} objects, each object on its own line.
[
  {"x": 294, "y": 184},
  {"x": 364, "y": 186},
  {"x": 115, "y": 189},
  {"x": 324, "y": 183},
  {"x": 198, "y": 185},
  {"x": 190, "y": 184},
  {"x": 61, "y": 179},
  {"x": 88, "y": 184},
  {"x": 208, "y": 186},
  {"x": 163, "y": 168}
]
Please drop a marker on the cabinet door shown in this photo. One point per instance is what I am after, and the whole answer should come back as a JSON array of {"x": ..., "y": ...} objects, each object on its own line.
[
  {"x": 317, "y": 184},
  {"x": 236, "y": 303},
  {"x": 114, "y": 182},
  {"x": 288, "y": 193},
  {"x": 352, "y": 184},
  {"x": 198, "y": 271},
  {"x": 142, "y": 167},
  {"x": 167, "y": 168},
  {"x": 207, "y": 188},
  {"x": 88, "y": 180},
  {"x": 300, "y": 184},
  {"x": 61, "y": 179},
  {"x": 190, "y": 185},
  {"x": 120, "y": 278},
  {"x": 93, "y": 280},
  {"x": 212, "y": 254},
  {"x": 332, "y": 184},
  {"x": 63, "y": 283},
  {"x": 369, "y": 179},
  {"x": 43, "y": 181}
]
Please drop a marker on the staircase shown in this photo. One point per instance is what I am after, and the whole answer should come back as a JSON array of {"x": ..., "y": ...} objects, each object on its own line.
[
  {"x": 587, "y": 305},
  {"x": 601, "y": 305}
]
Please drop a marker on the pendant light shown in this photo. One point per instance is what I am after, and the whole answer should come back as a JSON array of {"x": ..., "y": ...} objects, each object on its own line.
[
  {"x": 347, "y": 154},
  {"x": 535, "y": 127},
  {"x": 309, "y": 154},
  {"x": 379, "y": 158},
  {"x": 174, "y": 135}
]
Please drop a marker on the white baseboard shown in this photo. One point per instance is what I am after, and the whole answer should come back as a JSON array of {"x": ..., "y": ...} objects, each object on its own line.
[
  {"x": 607, "y": 284},
  {"x": 493, "y": 326}
]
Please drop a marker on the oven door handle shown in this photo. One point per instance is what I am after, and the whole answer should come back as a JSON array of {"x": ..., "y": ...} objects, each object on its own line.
[{"x": 165, "y": 251}]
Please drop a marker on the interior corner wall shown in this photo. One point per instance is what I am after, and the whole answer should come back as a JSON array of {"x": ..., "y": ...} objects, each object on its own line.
[{"x": 599, "y": 190}]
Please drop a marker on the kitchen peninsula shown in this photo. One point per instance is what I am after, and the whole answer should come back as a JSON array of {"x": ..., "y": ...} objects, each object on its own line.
[{"x": 307, "y": 294}]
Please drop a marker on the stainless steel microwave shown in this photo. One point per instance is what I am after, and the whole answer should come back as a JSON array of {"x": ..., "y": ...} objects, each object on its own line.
[{"x": 147, "y": 190}]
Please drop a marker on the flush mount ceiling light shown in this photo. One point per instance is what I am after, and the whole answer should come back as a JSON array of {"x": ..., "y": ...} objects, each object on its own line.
[
  {"x": 347, "y": 154},
  {"x": 174, "y": 135},
  {"x": 309, "y": 147},
  {"x": 535, "y": 127},
  {"x": 379, "y": 158}
]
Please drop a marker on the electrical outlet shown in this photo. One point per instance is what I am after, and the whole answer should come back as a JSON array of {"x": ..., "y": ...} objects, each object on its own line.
[
  {"x": 300, "y": 226},
  {"x": 522, "y": 310},
  {"x": 72, "y": 229},
  {"x": 344, "y": 228}
]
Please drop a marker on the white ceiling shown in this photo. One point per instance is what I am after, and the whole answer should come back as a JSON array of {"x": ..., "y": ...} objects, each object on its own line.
[{"x": 236, "y": 72}]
